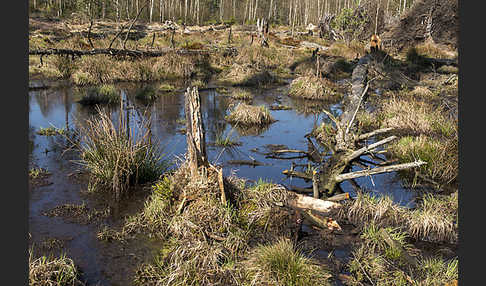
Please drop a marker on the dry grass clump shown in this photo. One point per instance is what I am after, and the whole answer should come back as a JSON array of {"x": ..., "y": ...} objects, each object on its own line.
[
  {"x": 441, "y": 155},
  {"x": 280, "y": 263},
  {"x": 380, "y": 264},
  {"x": 52, "y": 271},
  {"x": 411, "y": 117},
  {"x": 103, "y": 94},
  {"x": 312, "y": 87},
  {"x": 249, "y": 115},
  {"x": 433, "y": 50},
  {"x": 241, "y": 94},
  {"x": 434, "y": 219},
  {"x": 247, "y": 75},
  {"x": 116, "y": 160},
  {"x": 348, "y": 51}
]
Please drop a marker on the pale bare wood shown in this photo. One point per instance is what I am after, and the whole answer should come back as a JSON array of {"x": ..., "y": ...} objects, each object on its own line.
[
  {"x": 306, "y": 202},
  {"x": 378, "y": 170},
  {"x": 365, "y": 149},
  {"x": 373, "y": 133}
]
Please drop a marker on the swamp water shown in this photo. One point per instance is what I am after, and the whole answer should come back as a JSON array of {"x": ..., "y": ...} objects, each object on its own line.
[{"x": 101, "y": 262}]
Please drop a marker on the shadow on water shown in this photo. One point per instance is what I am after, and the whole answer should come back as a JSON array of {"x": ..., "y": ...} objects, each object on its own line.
[{"x": 102, "y": 262}]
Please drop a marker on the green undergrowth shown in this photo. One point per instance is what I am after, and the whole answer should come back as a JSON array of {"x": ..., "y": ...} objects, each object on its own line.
[
  {"x": 53, "y": 271},
  {"x": 435, "y": 217},
  {"x": 379, "y": 263}
]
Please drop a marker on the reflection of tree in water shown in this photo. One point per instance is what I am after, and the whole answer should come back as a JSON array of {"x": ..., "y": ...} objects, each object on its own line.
[
  {"x": 167, "y": 109},
  {"x": 214, "y": 109},
  {"x": 251, "y": 130},
  {"x": 47, "y": 99}
]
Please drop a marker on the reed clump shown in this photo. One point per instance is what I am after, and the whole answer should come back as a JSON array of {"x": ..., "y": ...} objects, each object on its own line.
[
  {"x": 117, "y": 158},
  {"x": 53, "y": 271}
]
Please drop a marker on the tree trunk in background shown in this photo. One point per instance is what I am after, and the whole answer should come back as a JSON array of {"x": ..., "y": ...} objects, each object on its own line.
[
  {"x": 160, "y": 11},
  {"x": 117, "y": 11},
  {"x": 270, "y": 10},
  {"x": 151, "y": 9},
  {"x": 221, "y": 10},
  {"x": 185, "y": 11}
]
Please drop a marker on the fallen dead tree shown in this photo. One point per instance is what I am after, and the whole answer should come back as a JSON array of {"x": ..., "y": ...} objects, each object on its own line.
[
  {"x": 348, "y": 147},
  {"x": 125, "y": 52}
]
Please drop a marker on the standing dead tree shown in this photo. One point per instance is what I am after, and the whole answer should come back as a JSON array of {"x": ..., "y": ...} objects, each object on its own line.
[{"x": 195, "y": 133}]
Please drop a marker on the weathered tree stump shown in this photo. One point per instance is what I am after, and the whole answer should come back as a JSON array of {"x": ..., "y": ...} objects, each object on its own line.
[{"x": 195, "y": 133}]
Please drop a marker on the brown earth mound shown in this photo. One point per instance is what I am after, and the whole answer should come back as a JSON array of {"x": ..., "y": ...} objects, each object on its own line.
[{"x": 411, "y": 28}]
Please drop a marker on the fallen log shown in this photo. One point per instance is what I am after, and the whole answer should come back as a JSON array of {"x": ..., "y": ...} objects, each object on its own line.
[
  {"x": 122, "y": 52},
  {"x": 306, "y": 202},
  {"x": 338, "y": 197}
]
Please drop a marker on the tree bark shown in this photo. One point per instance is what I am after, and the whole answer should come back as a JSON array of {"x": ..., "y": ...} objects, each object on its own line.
[{"x": 195, "y": 133}]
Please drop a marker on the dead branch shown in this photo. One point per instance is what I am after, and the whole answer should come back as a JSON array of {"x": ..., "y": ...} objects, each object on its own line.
[
  {"x": 365, "y": 149},
  {"x": 378, "y": 170}
]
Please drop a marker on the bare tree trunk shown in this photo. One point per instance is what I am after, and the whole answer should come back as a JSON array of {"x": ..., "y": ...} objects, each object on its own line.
[
  {"x": 195, "y": 133},
  {"x": 117, "y": 10},
  {"x": 185, "y": 11},
  {"x": 221, "y": 10},
  {"x": 270, "y": 10},
  {"x": 128, "y": 10},
  {"x": 151, "y": 9},
  {"x": 160, "y": 11},
  {"x": 59, "y": 12}
]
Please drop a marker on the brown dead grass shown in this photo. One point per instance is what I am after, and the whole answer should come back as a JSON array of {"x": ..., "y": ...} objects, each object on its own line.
[{"x": 248, "y": 115}]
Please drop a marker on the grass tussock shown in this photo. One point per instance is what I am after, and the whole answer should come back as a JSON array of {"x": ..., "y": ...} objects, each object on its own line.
[
  {"x": 411, "y": 117},
  {"x": 247, "y": 75},
  {"x": 378, "y": 263},
  {"x": 249, "y": 115},
  {"x": 312, "y": 87},
  {"x": 441, "y": 155},
  {"x": 52, "y": 271},
  {"x": 433, "y": 219},
  {"x": 280, "y": 263},
  {"x": 51, "y": 131},
  {"x": 241, "y": 94},
  {"x": 114, "y": 159},
  {"x": 102, "y": 94},
  {"x": 433, "y": 50}
]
